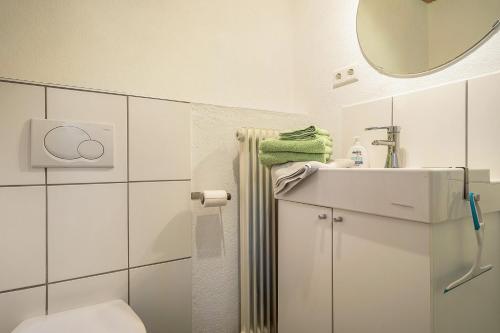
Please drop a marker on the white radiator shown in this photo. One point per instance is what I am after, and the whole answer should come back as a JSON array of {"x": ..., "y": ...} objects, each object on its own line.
[{"x": 257, "y": 237}]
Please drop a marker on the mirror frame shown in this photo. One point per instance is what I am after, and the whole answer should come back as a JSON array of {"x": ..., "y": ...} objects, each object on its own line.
[{"x": 494, "y": 29}]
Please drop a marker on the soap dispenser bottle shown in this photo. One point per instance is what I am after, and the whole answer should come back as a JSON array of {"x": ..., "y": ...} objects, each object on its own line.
[{"x": 359, "y": 154}]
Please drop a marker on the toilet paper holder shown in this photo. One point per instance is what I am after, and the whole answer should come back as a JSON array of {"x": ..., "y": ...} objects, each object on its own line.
[{"x": 199, "y": 196}]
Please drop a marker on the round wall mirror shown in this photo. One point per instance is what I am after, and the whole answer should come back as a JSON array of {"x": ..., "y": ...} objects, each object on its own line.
[{"x": 412, "y": 37}]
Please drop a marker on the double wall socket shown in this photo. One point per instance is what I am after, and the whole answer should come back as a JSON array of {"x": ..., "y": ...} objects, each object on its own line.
[{"x": 344, "y": 76}]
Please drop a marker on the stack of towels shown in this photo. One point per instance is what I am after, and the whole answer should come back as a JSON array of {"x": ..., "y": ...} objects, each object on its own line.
[{"x": 308, "y": 144}]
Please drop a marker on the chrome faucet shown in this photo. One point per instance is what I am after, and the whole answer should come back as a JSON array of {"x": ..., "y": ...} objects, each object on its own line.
[{"x": 392, "y": 143}]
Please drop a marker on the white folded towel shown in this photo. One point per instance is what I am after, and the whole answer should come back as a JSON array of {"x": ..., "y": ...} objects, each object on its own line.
[{"x": 287, "y": 176}]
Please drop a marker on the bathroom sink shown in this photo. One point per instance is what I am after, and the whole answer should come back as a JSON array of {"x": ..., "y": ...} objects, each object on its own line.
[
  {"x": 429, "y": 195},
  {"x": 398, "y": 248}
]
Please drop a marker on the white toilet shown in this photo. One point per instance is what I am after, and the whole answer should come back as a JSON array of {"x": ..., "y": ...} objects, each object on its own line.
[{"x": 111, "y": 317}]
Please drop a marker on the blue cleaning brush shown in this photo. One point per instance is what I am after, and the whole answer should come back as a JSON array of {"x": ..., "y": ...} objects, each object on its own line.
[{"x": 476, "y": 268}]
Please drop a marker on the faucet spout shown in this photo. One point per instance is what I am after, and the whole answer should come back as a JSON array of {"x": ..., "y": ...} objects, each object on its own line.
[{"x": 392, "y": 144}]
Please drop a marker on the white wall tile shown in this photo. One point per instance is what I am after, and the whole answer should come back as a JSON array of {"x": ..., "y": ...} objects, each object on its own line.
[
  {"x": 356, "y": 118},
  {"x": 87, "y": 229},
  {"x": 18, "y": 104},
  {"x": 160, "y": 139},
  {"x": 161, "y": 296},
  {"x": 22, "y": 236},
  {"x": 432, "y": 126},
  {"x": 484, "y": 124},
  {"x": 160, "y": 221},
  {"x": 17, "y": 306},
  {"x": 88, "y": 291},
  {"x": 63, "y": 104}
]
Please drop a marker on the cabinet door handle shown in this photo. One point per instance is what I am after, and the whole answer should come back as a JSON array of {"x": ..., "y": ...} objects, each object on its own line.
[
  {"x": 338, "y": 219},
  {"x": 322, "y": 216}
]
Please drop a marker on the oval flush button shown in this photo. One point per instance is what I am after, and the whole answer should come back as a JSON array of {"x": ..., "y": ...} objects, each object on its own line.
[
  {"x": 90, "y": 149},
  {"x": 63, "y": 141}
]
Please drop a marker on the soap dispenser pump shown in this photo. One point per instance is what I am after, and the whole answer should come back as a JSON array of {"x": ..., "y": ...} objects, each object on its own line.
[{"x": 359, "y": 154}]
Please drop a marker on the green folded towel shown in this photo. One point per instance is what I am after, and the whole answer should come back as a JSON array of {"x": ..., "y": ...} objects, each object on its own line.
[
  {"x": 308, "y": 137},
  {"x": 320, "y": 145},
  {"x": 270, "y": 159},
  {"x": 305, "y": 133}
]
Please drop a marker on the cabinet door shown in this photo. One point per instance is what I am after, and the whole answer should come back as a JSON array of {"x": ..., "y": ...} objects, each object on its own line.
[
  {"x": 304, "y": 268},
  {"x": 381, "y": 274}
]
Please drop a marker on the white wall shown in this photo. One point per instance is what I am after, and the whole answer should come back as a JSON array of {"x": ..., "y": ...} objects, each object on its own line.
[
  {"x": 215, "y": 165},
  {"x": 72, "y": 237},
  {"x": 439, "y": 124},
  {"x": 225, "y": 52},
  {"x": 158, "y": 251},
  {"x": 220, "y": 52},
  {"x": 326, "y": 40}
]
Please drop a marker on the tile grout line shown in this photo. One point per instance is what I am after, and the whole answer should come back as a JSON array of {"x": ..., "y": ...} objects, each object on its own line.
[
  {"x": 25, "y": 185},
  {"x": 392, "y": 111},
  {"x": 99, "y": 183},
  {"x": 46, "y": 246},
  {"x": 161, "y": 262},
  {"x": 96, "y": 91},
  {"x": 128, "y": 201},
  {"x": 46, "y": 227},
  {"x": 332, "y": 268},
  {"x": 88, "y": 276},
  {"x": 22, "y": 288},
  {"x": 160, "y": 180},
  {"x": 110, "y": 272},
  {"x": 93, "y": 275},
  {"x": 467, "y": 123}
]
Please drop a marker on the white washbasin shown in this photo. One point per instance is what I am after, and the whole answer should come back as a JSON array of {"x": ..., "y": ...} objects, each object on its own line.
[{"x": 427, "y": 195}]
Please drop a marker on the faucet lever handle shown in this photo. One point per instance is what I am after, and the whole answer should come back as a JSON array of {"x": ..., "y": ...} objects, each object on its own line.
[{"x": 390, "y": 129}]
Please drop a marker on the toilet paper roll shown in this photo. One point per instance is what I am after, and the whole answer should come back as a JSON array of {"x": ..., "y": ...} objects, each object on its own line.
[{"x": 217, "y": 198}]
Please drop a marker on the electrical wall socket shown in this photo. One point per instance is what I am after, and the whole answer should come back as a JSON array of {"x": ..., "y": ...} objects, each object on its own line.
[{"x": 344, "y": 76}]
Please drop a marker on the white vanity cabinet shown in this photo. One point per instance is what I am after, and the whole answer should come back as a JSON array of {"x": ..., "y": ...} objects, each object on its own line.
[
  {"x": 381, "y": 275},
  {"x": 304, "y": 268},
  {"x": 378, "y": 260},
  {"x": 356, "y": 258}
]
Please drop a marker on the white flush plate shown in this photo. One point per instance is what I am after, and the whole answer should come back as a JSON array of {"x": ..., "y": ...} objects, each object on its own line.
[{"x": 70, "y": 144}]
